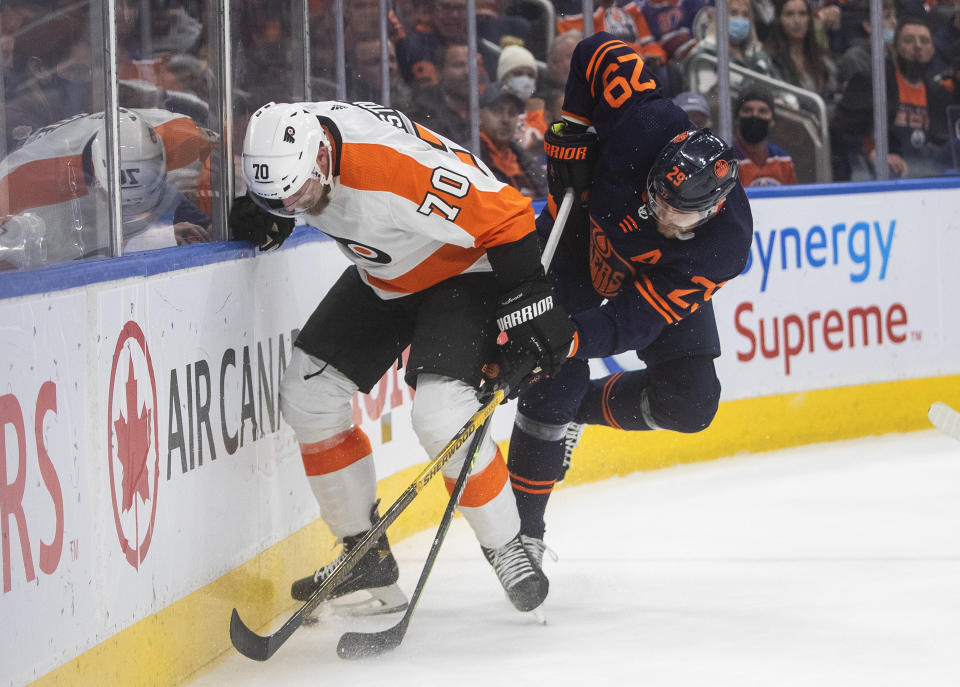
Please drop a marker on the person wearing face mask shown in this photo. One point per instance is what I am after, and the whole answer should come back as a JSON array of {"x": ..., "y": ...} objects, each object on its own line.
[
  {"x": 761, "y": 163},
  {"x": 517, "y": 73},
  {"x": 916, "y": 113},
  {"x": 745, "y": 49},
  {"x": 857, "y": 58}
]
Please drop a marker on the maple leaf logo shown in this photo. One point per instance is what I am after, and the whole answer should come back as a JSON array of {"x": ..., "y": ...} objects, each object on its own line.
[{"x": 133, "y": 445}]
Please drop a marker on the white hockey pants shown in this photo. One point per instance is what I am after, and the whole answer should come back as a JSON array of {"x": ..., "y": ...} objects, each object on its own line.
[{"x": 315, "y": 399}]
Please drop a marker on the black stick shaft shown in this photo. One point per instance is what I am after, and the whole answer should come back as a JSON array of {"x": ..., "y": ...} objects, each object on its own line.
[{"x": 363, "y": 644}]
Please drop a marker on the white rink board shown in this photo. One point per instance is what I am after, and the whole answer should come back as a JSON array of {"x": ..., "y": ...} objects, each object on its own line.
[
  {"x": 93, "y": 570},
  {"x": 49, "y": 546},
  {"x": 124, "y": 548},
  {"x": 894, "y": 252}
]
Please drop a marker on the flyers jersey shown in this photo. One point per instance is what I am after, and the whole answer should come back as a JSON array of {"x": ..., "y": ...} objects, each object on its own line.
[
  {"x": 409, "y": 207},
  {"x": 48, "y": 178},
  {"x": 649, "y": 281}
]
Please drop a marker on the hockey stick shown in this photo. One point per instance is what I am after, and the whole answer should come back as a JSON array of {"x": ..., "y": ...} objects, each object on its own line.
[
  {"x": 363, "y": 644},
  {"x": 563, "y": 212},
  {"x": 946, "y": 419},
  {"x": 260, "y": 648}
]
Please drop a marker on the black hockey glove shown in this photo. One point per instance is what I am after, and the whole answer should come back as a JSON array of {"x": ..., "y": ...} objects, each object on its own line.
[
  {"x": 249, "y": 222},
  {"x": 535, "y": 333},
  {"x": 571, "y": 153}
]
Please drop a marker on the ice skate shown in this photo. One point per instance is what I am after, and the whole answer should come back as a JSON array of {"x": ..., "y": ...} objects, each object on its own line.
[
  {"x": 520, "y": 575},
  {"x": 369, "y": 588},
  {"x": 535, "y": 549}
]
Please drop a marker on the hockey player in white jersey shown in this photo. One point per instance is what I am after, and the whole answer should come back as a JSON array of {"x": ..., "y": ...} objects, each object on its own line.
[
  {"x": 441, "y": 251},
  {"x": 53, "y": 201}
]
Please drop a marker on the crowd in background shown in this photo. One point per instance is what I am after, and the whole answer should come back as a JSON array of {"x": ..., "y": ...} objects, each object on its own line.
[{"x": 164, "y": 65}]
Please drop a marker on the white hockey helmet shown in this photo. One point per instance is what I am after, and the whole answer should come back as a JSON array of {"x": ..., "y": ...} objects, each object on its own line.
[
  {"x": 143, "y": 164},
  {"x": 280, "y": 154}
]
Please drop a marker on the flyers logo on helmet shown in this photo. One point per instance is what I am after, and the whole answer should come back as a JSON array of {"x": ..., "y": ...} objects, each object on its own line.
[
  {"x": 721, "y": 168},
  {"x": 681, "y": 137},
  {"x": 288, "y": 134}
]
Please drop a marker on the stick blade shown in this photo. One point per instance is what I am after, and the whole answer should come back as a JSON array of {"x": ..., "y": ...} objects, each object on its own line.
[
  {"x": 354, "y": 645},
  {"x": 248, "y": 642},
  {"x": 945, "y": 418}
]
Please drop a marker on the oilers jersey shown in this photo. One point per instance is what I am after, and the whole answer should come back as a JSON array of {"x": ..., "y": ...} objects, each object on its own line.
[
  {"x": 409, "y": 207},
  {"x": 641, "y": 281}
]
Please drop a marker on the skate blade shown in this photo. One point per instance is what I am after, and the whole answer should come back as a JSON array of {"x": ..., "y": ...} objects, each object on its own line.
[
  {"x": 537, "y": 614},
  {"x": 372, "y": 601}
]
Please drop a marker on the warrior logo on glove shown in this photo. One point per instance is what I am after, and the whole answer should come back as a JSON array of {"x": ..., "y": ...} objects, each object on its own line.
[{"x": 524, "y": 314}]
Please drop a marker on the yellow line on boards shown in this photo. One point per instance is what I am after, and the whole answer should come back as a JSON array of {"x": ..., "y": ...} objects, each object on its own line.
[{"x": 192, "y": 633}]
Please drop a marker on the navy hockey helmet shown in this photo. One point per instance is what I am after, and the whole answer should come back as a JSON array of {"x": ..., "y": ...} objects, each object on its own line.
[{"x": 690, "y": 178}]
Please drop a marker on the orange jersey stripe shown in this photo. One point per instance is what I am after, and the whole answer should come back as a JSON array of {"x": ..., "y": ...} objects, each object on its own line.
[
  {"x": 652, "y": 302},
  {"x": 602, "y": 53},
  {"x": 375, "y": 167},
  {"x": 447, "y": 261},
  {"x": 605, "y": 401},
  {"x": 482, "y": 487},
  {"x": 336, "y": 453},
  {"x": 594, "y": 58},
  {"x": 41, "y": 182},
  {"x": 574, "y": 118},
  {"x": 660, "y": 299}
]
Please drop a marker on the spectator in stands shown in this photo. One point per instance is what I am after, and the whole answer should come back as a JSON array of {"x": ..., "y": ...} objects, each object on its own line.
[
  {"x": 494, "y": 25},
  {"x": 261, "y": 52},
  {"x": 858, "y": 58},
  {"x": 626, "y": 23},
  {"x": 945, "y": 35},
  {"x": 916, "y": 116},
  {"x": 826, "y": 26},
  {"x": 671, "y": 22},
  {"x": 417, "y": 51},
  {"x": 696, "y": 107},
  {"x": 174, "y": 30},
  {"x": 517, "y": 71},
  {"x": 361, "y": 21},
  {"x": 15, "y": 17},
  {"x": 764, "y": 14},
  {"x": 920, "y": 121},
  {"x": 50, "y": 93},
  {"x": 414, "y": 14},
  {"x": 134, "y": 63},
  {"x": 444, "y": 107},
  {"x": 745, "y": 48},
  {"x": 761, "y": 163},
  {"x": 499, "y": 110},
  {"x": 364, "y": 75},
  {"x": 950, "y": 79},
  {"x": 558, "y": 61},
  {"x": 55, "y": 211},
  {"x": 797, "y": 55}
]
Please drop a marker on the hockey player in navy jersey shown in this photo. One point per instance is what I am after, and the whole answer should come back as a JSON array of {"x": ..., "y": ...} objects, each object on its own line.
[{"x": 662, "y": 222}]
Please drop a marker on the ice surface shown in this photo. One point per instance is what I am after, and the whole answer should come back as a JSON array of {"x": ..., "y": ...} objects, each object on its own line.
[{"x": 834, "y": 564}]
